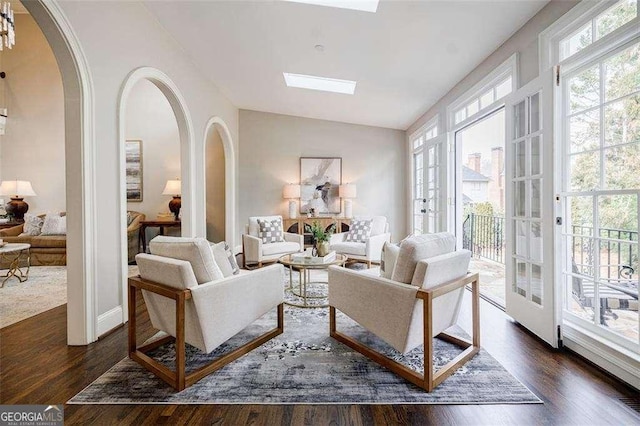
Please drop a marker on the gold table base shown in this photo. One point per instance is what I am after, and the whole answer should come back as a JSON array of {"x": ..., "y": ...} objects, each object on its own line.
[{"x": 15, "y": 270}]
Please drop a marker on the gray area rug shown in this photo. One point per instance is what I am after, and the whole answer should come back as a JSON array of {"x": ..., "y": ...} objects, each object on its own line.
[
  {"x": 45, "y": 289},
  {"x": 306, "y": 366}
]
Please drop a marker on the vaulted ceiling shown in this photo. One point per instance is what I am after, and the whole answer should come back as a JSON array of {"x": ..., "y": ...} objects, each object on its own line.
[{"x": 404, "y": 57}]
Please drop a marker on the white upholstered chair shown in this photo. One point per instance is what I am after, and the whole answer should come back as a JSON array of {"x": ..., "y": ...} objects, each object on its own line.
[
  {"x": 421, "y": 301},
  {"x": 368, "y": 251},
  {"x": 188, "y": 297},
  {"x": 256, "y": 252}
]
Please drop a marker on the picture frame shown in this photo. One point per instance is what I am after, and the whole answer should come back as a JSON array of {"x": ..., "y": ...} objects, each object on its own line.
[
  {"x": 320, "y": 179},
  {"x": 133, "y": 159}
]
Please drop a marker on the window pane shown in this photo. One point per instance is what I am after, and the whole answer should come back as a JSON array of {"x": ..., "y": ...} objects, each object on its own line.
[
  {"x": 620, "y": 214},
  {"x": 520, "y": 198},
  {"x": 504, "y": 88},
  {"x": 519, "y": 119},
  {"x": 581, "y": 215},
  {"x": 535, "y": 238},
  {"x": 472, "y": 108},
  {"x": 581, "y": 39},
  {"x": 584, "y": 131},
  {"x": 584, "y": 171},
  {"x": 615, "y": 17},
  {"x": 581, "y": 303},
  {"x": 534, "y": 113},
  {"x": 582, "y": 253},
  {"x": 417, "y": 206},
  {"x": 520, "y": 285},
  {"x": 486, "y": 99},
  {"x": 622, "y": 121},
  {"x": 536, "y": 187},
  {"x": 584, "y": 90},
  {"x": 521, "y": 231},
  {"x": 622, "y": 167},
  {"x": 536, "y": 284},
  {"x": 520, "y": 162},
  {"x": 461, "y": 114},
  {"x": 536, "y": 156},
  {"x": 417, "y": 225},
  {"x": 622, "y": 73}
]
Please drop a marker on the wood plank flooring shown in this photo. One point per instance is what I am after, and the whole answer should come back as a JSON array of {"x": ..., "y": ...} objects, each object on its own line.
[{"x": 37, "y": 367}]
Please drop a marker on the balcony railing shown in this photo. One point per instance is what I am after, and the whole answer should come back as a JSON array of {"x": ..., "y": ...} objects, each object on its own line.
[{"x": 484, "y": 236}]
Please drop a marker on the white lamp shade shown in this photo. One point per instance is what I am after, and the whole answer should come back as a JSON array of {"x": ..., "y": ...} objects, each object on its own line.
[
  {"x": 348, "y": 190},
  {"x": 291, "y": 191},
  {"x": 21, "y": 188},
  {"x": 173, "y": 187}
]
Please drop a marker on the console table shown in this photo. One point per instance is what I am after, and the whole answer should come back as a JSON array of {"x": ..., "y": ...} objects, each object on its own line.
[
  {"x": 301, "y": 225},
  {"x": 162, "y": 224}
]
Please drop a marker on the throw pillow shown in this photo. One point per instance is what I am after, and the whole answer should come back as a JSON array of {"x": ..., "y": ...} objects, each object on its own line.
[
  {"x": 270, "y": 231},
  {"x": 225, "y": 259},
  {"x": 418, "y": 247},
  {"x": 130, "y": 218},
  {"x": 54, "y": 224},
  {"x": 32, "y": 225},
  {"x": 388, "y": 259},
  {"x": 359, "y": 232}
]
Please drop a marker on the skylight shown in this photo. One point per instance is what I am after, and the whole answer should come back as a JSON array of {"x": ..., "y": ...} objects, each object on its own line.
[
  {"x": 363, "y": 5},
  {"x": 320, "y": 83}
]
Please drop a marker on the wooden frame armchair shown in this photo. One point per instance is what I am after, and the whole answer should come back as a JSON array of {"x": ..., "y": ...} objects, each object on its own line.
[
  {"x": 205, "y": 313},
  {"x": 406, "y": 316}
]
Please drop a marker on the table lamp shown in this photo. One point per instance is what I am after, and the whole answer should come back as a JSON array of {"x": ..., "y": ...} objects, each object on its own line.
[
  {"x": 347, "y": 192},
  {"x": 174, "y": 187},
  {"x": 292, "y": 192},
  {"x": 17, "y": 189}
]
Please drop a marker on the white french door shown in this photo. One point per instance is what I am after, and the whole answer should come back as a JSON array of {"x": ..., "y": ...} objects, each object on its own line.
[
  {"x": 530, "y": 297},
  {"x": 428, "y": 206}
]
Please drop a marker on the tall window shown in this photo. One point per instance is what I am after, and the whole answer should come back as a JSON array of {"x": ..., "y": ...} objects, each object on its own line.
[{"x": 426, "y": 191}]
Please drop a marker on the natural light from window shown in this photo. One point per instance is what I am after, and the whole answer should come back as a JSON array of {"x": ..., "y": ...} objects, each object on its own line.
[
  {"x": 320, "y": 83},
  {"x": 363, "y": 5}
]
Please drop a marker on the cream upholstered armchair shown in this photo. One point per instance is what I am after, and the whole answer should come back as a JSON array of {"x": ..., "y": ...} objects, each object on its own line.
[
  {"x": 256, "y": 251},
  {"x": 189, "y": 298},
  {"x": 420, "y": 301},
  {"x": 367, "y": 250}
]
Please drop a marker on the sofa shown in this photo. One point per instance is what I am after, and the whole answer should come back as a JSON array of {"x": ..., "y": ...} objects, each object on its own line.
[{"x": 46, "y": 250}]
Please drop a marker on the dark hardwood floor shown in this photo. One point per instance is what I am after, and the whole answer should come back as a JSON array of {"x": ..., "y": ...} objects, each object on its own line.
[{"x": 37, "y": 367}]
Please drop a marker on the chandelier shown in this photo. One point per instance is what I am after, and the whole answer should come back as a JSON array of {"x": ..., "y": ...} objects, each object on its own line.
[{"x": 7, "y": 27}]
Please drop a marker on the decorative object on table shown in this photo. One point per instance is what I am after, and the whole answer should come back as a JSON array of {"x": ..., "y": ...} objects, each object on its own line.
[
  {"x": 314, "y": 260},
  {"x": 17, "y": 190},
  {"x": 319, "y": 182},
  {"x": 255, "y": 252},
  {"x": 370, "y": 248},
  {"x": 321, "y": 237},
  {"x": 165, "y": 216},
  {"x": 291, "y": 192},
  {"x": 133, "y": 159},
  {"x": 347, "y": 192},
  {"x": 174, "y": 187}
]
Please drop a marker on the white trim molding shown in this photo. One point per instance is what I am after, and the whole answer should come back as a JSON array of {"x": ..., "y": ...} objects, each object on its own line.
[
  {"x": 218, "y": 124},
  {"x": 187, "y": 161},
  {"x": 109, "y": 320},
  {"x": 80, "y": 169}
]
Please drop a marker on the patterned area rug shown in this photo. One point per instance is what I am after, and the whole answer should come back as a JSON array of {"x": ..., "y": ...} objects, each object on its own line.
[
  {"x": 306, "y": 366},
  {"x": 45, "y": 289}
]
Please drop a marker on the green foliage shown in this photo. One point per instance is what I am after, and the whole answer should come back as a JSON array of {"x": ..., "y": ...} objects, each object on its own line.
[{"x": 319, "y": 233}]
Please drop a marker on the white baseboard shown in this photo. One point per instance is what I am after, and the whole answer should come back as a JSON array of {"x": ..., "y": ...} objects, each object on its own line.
[
  {"x": 623, "y": 366},
  {"x": 109, "y": 320}
]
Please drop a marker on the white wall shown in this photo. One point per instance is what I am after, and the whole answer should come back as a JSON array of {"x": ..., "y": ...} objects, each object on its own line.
[
  {"x": 116, "y": 41},
  {"x": 372, "y": 157},
  {"x": 151, "y": 119},
  {"x": 524, "y": 42},
  {"x": 215, "y": 174},
  {"x": 32, "y": 147}
]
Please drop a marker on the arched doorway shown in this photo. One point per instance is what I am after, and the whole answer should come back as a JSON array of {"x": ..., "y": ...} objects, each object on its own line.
[
  {"x": 185, "y": 133},
  {"x": 80, "y": 169},
  {"x": 220, "y": 182}
]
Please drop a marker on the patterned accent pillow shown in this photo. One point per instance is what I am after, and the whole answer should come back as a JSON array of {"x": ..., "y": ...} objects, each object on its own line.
[
  {"x": 359, "y": 232},
  {"x": 32, "y": 225},
  {"x": 54, "y": 224},
  {"x": 225, "y": 259},
  {"x": 270, "y": 231}
]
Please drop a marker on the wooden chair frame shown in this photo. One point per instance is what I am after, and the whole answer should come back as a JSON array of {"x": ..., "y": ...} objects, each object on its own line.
[
  {"x": 429, "y": 380},
  {"x": 178, "y": 379}
]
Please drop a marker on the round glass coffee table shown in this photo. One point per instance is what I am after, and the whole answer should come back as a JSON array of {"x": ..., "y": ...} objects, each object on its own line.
[
  {"x": 304, "y": 266},
  {"x": 19, "y": 256}
]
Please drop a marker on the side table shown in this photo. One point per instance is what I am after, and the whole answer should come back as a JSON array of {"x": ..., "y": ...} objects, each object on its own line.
[
  {"x": 162, "y": 224},
  {"x": 15, "y": 253}
]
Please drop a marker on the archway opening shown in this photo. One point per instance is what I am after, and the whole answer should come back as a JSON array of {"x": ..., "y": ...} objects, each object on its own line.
[{"x": 215, "y": 178}]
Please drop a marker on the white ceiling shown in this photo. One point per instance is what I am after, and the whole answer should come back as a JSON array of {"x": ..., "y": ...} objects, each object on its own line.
[{"x": 404, "y": 57}]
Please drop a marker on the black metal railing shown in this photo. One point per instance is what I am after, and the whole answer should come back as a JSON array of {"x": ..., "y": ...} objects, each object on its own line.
[
  {"x": 484, "y": 236},
  {"x": 618, "y": 251}
]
